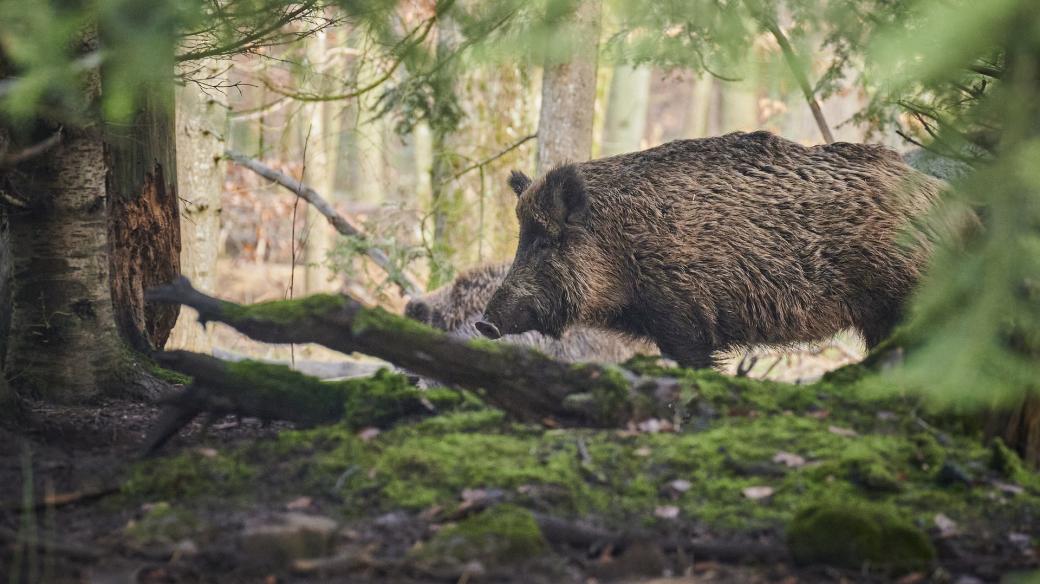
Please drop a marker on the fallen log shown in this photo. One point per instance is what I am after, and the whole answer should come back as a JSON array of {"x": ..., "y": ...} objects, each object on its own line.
[{"x": 520, "y": 381}]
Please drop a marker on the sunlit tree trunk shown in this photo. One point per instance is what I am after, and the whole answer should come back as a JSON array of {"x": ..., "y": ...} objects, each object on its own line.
[
  {"x": 627, "y": 104},
  {"x": 320, "y": 172},
  {"x": 568, "y": 95},
  {"x": 202, "y": 126},
  {"x": 442, "y": 195}
]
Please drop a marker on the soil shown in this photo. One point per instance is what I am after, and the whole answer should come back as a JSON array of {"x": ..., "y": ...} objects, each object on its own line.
[{"x": 89, "y": 451}]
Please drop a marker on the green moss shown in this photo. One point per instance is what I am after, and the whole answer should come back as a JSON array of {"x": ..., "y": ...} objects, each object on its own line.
[
  {"x": 377, "y": 318},
  {"x": 286, "y": 311},
  {"x": 172, "y": 377},
  {"x": 502, "y": 534},
  {"x": 387, "y": 397},
  {"x": 162, "y": 524},
  {"x": 870, "y": 469},
  {"x": 856, "y": 535},
  {"x": 190, "y": 474}
]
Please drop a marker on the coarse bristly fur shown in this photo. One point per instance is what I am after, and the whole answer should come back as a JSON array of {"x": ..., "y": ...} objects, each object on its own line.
[
  {"x": 458, "y": 305},
  {"x": 710, "y": 244}
]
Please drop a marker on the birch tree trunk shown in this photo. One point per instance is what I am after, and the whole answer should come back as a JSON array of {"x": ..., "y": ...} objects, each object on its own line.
[
  {"x": 202, "y": 127},
  {"x": 627, "y": 104},
  {"x": 568, "y": 96},
  {"x": 442, "y": 195},
  {"x": 97, "y": 224},
  {"x": 63, "y": 337}
]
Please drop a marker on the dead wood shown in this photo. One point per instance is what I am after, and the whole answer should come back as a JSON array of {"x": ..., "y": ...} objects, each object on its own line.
[
  {"x": 520, "y": 381},
  {"x": 408, "y": 285}
]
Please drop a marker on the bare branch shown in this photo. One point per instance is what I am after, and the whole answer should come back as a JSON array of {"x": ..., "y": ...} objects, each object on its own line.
[
  {"x": 491, "y": 159},
  {"x": 14, "y": 158},
  {"x": 408, "y": 285},
  {"x": 800, "y": 76}
]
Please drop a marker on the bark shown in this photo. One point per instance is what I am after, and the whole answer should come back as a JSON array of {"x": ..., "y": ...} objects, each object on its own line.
[
  {"x": 320, "y": 167},
  {"x": 443, "y": 197},
  {"x": 143, "y": 216},
  {"x": 522, "y": 382},
  {"x": 569, "y": 94},
  {"x": 202, "y": 125},
  {"x": 63, "y": 336},
  {"x": 627, "y": 105}
]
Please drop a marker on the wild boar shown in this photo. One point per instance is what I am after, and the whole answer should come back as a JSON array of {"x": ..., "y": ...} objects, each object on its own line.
[
  {"x": 718, "y": 243},
  {"x": 458, "y": 306}
]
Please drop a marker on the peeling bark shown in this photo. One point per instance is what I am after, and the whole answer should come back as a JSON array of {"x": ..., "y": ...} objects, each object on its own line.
[{"x": 143, "y": 218}]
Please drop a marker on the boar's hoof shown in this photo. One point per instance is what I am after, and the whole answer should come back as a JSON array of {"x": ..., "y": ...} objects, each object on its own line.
[{"x": 488, "y": 330}]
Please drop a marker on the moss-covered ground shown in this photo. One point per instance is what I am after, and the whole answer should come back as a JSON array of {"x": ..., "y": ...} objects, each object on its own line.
[{"x": 749, "y": 457}]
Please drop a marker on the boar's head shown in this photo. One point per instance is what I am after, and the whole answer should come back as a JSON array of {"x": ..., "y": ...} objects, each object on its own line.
[{"x": 561, "y": 270}]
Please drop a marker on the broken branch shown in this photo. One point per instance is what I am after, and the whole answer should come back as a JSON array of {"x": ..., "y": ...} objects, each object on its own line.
[{"x": 408, "y": 285}]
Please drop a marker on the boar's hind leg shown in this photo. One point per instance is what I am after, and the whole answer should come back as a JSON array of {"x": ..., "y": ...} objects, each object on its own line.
[{"x": 879, "y": 328}]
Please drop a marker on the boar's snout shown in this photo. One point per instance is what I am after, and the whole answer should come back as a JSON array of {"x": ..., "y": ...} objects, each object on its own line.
[
  {"x": 488, "y": 330},
  {"x": 507, "y": 313}
]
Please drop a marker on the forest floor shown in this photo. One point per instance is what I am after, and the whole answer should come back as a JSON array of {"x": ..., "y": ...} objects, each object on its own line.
[{"x": 767, "y": 482}]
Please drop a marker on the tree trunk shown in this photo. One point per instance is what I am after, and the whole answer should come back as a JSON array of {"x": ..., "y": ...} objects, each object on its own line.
[
  {"x": 320, "y": 172},
  {"x": 96, "y": 225},
  {"x": 63, "y": 337},
  {"x": 626, "y": 110},
  {"x": 144, "y": 228},
  {"x": 5, "y": 306},
  {"x": 202, "y": 126},
  {"x": 443, "y": 197},
  {"x": 568, "y": 96}
]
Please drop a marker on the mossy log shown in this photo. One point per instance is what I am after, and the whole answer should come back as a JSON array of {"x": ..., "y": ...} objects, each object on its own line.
[{"x": 520, "y": 381}]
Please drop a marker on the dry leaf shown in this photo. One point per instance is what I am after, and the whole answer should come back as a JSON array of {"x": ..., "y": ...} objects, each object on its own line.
[
  {"x": 848, "y": 433},
  {"x": 756, "y": 493},
  {"x": 299, "y": 503},
  {"x": 369, "y": 433},
  {"x": 642, "y": 451},
  {"x": 667, "y": 512},
  {"x": 789, "y": 459},
  {"x": 947, "y": 527},
  {"x": 680, "y": 485}
]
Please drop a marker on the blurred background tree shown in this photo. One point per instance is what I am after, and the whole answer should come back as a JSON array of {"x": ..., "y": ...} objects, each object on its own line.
[{"x": 407, "y": 116}]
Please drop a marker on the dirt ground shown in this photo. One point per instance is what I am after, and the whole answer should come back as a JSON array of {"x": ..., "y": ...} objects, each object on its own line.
[{"x": 78, "y": 459}]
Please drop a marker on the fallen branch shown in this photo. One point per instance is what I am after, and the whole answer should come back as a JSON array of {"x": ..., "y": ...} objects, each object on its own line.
[
  {"x": 520, "y": 381},
  {"x": 408, "y": 285},
  {"x": 275, "y": 392}
]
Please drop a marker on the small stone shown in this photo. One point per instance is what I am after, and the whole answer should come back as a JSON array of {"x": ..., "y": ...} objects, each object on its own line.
[
  {"x": 848, "y": 433},
  {"x": 642, "y": 451},
  {"x": 278, "y": 541}
]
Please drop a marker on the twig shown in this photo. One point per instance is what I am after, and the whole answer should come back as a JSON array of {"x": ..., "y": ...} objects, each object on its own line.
[
  {"x": 41, "y": 147},
  {"x": 408, "y": 285},
  {"x": 800, "y": 76},
  {"x": 491, "y": 159}
]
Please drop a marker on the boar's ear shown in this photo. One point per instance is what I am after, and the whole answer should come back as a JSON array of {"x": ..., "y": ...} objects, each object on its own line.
[
  {"x": 569, "y": 200},
  {"x": 519, "y": 182}
]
